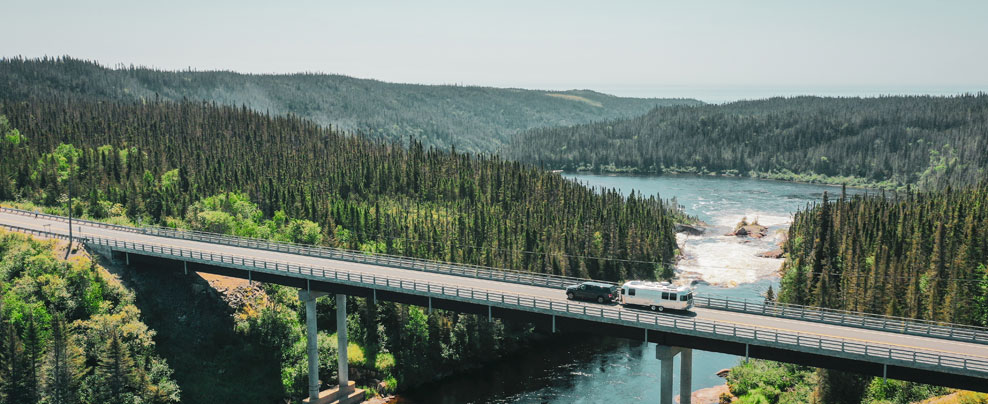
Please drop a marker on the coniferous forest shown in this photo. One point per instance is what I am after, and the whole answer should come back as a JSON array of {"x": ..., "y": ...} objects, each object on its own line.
[
  {"x": 919, "y": 255},
  {"x": 158, "y": 158},
  {"x": 224, "y": 169},
  {"x": 478, "y": 119},
  {"x": 887, "y": 141}
]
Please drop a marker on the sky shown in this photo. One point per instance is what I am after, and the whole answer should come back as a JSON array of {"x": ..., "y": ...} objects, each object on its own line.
[{"x": 712, "y": 50}]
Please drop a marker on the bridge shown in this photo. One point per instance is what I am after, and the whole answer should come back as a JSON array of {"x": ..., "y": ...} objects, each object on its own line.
[{"x": 943, "y": 354}]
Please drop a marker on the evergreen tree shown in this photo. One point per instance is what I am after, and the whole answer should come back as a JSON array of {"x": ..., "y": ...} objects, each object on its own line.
[
  {"x": 116, "y": 372},
  {"x": 66, "y": 365}
]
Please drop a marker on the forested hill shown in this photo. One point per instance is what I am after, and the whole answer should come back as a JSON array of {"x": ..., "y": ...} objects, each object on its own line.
[
  {"x": 156, "y": 159},
  {"x": 887, "y": 141},
  {"x": 470, "y": 118}
]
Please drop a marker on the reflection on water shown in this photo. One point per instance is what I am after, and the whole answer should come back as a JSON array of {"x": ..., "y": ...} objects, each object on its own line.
[{"x": 595, "y": 369}]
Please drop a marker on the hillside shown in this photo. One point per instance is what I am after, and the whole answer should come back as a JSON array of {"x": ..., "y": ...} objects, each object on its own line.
[
  {"x": 887, "y": 142},
  {"x": 223, "y": 169},
  {"x": 70, "y": 332},
  {"x": 478, "y": 119}
]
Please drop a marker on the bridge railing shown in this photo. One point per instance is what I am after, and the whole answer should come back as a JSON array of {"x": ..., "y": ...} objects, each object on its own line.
[
  {"x": 883, "y": 353},
  {"x": 902, "y": 325},
  {"x": 855, "y": 349},
  {"x": 476, "y": 271}
]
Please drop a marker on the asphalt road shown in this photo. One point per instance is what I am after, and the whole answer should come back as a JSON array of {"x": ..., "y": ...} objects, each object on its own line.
[{"x": 919, "y": 343}]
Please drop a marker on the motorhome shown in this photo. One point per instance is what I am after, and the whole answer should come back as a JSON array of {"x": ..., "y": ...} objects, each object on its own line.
[{"x": 657, "y": 296}]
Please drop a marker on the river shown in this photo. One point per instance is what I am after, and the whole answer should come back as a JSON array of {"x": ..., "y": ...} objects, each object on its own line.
[{"x": 596, "y": 370}]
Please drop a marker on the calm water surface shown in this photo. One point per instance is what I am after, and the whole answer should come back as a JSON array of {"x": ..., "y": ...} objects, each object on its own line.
[{"x": 596, "y": 370}]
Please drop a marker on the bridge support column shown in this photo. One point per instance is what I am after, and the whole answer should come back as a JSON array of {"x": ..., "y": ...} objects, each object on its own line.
[
  {"x": 666, "y": 355},
  {"x": 685, "y": 375},
  {"x": 312, "y": 348},
  {"x": 346, "y": 393},
  {"x": 342, "y": 343}
]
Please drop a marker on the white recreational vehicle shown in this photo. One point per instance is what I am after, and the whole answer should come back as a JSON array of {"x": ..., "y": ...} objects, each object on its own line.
[{"x": 657, "y": 296}]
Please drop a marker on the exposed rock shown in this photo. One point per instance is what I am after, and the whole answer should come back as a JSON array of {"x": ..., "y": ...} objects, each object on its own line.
[
  {"x": 777, "y": 253},
  {"x": 745, "y": 229},
  {"x": 689, "y": 229},
  {"x": 723, "y": 372},
  {"x": 709, "y": 395}
]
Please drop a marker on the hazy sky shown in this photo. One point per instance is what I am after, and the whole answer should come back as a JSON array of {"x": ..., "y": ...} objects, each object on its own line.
[{"x": 725, "y": 49}]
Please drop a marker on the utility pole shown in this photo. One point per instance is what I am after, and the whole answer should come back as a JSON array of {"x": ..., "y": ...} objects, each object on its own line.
[{"x": 69, "y": 250}]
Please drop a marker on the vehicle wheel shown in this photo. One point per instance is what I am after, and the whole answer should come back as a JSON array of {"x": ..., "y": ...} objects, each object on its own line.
[
  {"x": 569, "y": 295},
  {"x": 660, "y": 308},
  {"x": 652, "y": 307},
  {"x": 600, "y": 299}
]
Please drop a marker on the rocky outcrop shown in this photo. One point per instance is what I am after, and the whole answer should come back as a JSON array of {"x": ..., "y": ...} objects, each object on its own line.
[
  {"x": 689, "y": 229},
  {"x": 776, "y": 253},
  {"x": 710, "y": 395},
  {"x": 745, "y": 229}
]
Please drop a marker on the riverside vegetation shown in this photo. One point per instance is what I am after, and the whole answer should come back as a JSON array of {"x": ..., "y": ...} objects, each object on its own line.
[
  {"x": 231, "y": 170},
  {"x": 478, "y": 119},
  {"x": 887, "y": 142}
]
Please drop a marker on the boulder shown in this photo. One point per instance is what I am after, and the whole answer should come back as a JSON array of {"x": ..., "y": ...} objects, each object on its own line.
[
  {"x": 745, "y": 229},
  {"x": 777, "y": 253},
  {"x": 689, "y": 229},
  {"x": 710, "y": 395},
  {"x": 723, "y": 372}
]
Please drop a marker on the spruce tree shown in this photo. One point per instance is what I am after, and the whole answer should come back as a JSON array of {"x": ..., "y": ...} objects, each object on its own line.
[
  {"x": 66, "y": 365},
  {"x": 116, "y": 371}
]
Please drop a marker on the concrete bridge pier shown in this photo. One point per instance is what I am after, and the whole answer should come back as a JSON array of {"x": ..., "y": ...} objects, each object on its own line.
[
  {"x": 666, "y": 355},
  {"x": 342, "y": 342},
  {"x": 346, "y": 392}
]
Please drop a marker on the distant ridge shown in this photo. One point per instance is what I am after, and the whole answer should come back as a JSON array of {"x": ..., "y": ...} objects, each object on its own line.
[
  {"x": 887, "y": 142},
  {"x": 478, "y": 119}
]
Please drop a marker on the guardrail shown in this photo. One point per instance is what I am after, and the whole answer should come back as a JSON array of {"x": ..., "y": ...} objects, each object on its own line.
[
  {"x": 902, "y": 325},
  {"x": 883, "y": 353},
  {"x": 417, "y": 264},
  {"x": 610, "y": 314}
]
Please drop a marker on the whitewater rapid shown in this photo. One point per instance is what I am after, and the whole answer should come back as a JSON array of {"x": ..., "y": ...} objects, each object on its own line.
[{"x": 727, "y": 261}]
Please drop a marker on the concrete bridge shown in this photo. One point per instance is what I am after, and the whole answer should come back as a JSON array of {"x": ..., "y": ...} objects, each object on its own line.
[{"x": 943, "y": 354}]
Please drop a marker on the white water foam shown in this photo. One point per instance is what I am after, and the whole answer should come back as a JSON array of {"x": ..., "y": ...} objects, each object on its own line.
[
  {"x": 730, "y": 219},
  {"x": 728, "y": 261}
]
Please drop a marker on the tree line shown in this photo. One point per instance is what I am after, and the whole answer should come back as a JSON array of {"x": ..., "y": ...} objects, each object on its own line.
[
  {"x": 478, "y": 119},
  {"x": 886, "y": 141},
  {"x": 914, "y": 254},
  {"x": 156, "y": 159},
  {"x": 919, "y": 255},
  {"x": 209, "y": 167}
]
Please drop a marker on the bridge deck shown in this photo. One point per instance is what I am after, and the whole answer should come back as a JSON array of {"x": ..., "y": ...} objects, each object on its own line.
[{"x": 977, "y": 352}]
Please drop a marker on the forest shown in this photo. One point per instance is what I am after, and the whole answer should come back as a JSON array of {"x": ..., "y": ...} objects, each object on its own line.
[
  {"x": 477, "y": 119},
  {"x": 889, "y": 142},
  {"x": 204, "y": 166},
  {"x": 69, "y": 334},
  {"x": 919, "y": 255},
  {"x": 913, "y": 254}
]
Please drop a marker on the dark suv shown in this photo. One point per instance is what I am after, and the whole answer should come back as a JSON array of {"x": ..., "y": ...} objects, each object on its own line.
[{"x": 600, "y": 292}]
